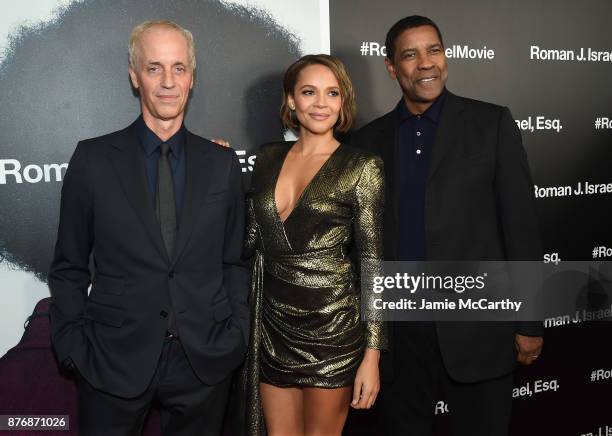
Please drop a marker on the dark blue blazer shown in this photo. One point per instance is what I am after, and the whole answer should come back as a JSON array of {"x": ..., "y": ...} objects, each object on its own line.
[{"x": 115, "y": 334}]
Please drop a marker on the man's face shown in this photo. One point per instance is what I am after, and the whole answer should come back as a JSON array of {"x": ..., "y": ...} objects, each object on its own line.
[
  {"x": 419, "y": 66},
  {"x": 163, "y": 73}
]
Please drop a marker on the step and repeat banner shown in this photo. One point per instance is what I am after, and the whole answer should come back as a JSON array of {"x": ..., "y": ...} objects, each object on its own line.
[{"x": 63, "y": 77}]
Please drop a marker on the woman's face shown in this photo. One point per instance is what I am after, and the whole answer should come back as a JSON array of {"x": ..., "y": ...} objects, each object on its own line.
[{"x": 316, "y": 99}]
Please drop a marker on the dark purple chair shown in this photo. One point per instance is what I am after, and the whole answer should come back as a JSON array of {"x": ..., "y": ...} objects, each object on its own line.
[{"x": 33, "y": 384}]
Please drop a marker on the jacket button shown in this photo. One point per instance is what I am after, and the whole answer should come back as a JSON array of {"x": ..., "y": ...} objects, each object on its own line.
[
  {"x": 163, "y": 314},
  {"x": 171, "y": 274}
]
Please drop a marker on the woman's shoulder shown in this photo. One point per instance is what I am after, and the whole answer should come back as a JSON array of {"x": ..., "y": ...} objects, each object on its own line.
[
  {"x": 271, "y": 151},
  {"x": 273, "y": 148},
  {"x": 361, "y": 158}
]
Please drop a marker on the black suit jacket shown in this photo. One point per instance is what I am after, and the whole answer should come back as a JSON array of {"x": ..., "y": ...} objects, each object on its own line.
[
  {"x": 479, "y": 205},
  {"x": 115, "y": 334}
]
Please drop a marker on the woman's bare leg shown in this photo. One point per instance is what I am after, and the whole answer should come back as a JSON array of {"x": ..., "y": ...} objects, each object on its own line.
[
  {"x": 283, "y": 410},
  {"x": 325, "y": 410}
]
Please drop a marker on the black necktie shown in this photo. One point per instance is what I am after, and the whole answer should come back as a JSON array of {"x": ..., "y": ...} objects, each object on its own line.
[
  {"x": 166, "y": 205},
  {"x": 166, "y": 212}
]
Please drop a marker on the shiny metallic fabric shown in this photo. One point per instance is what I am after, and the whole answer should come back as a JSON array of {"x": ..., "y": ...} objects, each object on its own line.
[{"x": 305, "y": 299}]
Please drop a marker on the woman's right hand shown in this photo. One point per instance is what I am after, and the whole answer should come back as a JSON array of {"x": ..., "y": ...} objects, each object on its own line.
[{"x": 222, "y": 142}]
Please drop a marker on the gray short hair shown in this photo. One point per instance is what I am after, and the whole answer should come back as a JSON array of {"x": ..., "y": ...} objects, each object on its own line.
[{"x": 142, "y": 27}]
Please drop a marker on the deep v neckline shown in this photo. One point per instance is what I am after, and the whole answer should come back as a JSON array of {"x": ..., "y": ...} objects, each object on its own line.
[{"x": 301, "y": 196}]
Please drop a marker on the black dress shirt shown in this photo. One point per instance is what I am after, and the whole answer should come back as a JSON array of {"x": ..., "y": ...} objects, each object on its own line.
[
  {"x": 415, "y": 139},
  {"x": 150, "y": 143}
]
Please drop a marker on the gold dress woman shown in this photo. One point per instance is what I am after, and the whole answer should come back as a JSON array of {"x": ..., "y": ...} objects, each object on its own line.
[{"x": 307, "y": 331}]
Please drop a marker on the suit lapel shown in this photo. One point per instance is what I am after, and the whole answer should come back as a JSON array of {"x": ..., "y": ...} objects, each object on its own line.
[
  {"x": 198, "y": 169},
  {"x": 126, "y": 158},
  {"x": 449, "y": 132}
]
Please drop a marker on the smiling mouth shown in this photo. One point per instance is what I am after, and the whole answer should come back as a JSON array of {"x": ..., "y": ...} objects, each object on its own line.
[
  {"x": 427, "y": 79},
  {"x": 318, "y": 116}
]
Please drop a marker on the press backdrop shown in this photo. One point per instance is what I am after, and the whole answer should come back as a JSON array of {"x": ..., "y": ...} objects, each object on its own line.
[{"x": 63, "y": 77}]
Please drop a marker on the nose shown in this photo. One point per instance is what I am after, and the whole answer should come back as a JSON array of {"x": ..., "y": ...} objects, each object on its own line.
[
  {"x": 321, "y": 100},
  {"x": 167, "y": 79},
  {"x": 425, "y": 62}
]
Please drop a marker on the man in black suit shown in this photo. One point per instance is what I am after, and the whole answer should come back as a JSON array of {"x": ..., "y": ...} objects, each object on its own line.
[
  {"x": 458, "y": 189},
  {"x": 160, "y": 211}
]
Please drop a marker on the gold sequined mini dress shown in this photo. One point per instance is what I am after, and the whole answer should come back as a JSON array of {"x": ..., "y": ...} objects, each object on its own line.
[{"x": 305, "y": 299}]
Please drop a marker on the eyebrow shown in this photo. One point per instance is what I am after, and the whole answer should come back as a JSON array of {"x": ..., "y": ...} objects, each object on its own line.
[
  {"x": 313, "y": 86},
  {"x": 410, "y": 49},
  {"x": 160, "y": 64}
]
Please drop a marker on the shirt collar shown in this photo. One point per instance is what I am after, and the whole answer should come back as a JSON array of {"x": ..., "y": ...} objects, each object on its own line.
[
  {"x": 432, "y": 112},
  {"x": 150, "y": 141}
]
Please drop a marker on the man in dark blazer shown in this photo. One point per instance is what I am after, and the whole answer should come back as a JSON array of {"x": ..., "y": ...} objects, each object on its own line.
[
  {"x": 458, "y": 189},
  {"x": 160, "y": 212}
]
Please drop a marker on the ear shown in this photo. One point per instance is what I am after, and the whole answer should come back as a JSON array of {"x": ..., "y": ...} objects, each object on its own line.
[
  {"x": 193, "y": 73},
  {"x": 291, "y": 102},
  {"x": 133, "y": 78},
  {"x": 390, "y": 69}
]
